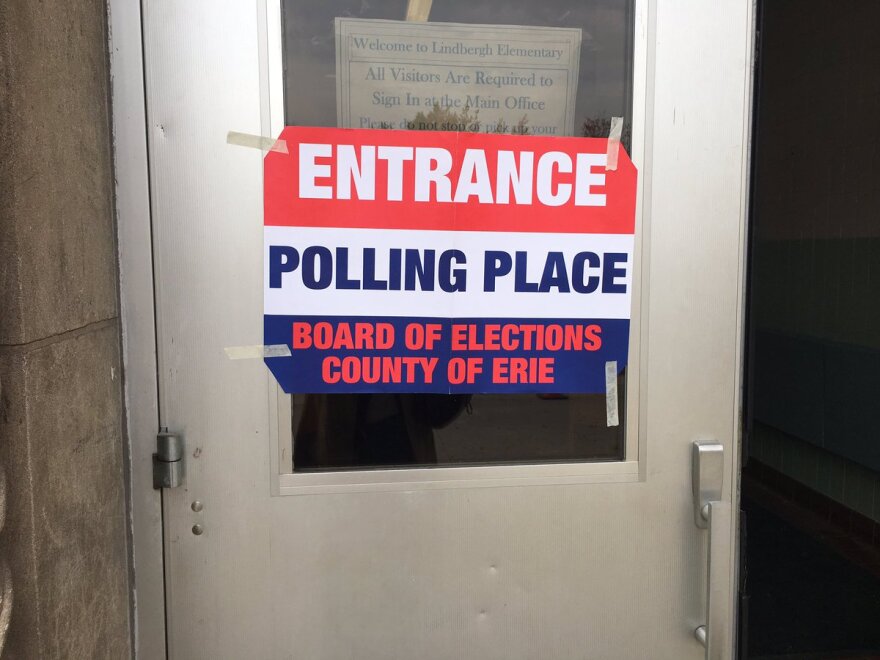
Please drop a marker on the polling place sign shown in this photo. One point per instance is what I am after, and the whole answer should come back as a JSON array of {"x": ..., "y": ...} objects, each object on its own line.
[{"x": 421, "y": 261}]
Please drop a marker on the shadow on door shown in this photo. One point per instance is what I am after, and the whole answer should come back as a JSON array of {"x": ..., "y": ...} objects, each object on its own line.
[{"x": 811, "y": 482}]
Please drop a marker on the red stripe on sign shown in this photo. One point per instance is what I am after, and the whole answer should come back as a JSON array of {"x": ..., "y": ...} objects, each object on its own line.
[{"x": 383, "y": 179}]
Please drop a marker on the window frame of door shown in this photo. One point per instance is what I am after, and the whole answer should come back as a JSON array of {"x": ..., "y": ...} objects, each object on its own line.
[{"x": 284, "y": 481}]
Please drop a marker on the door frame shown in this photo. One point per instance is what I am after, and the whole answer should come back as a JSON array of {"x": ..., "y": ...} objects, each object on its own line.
[
  {"x": 138, "y": 314},
  {"x": 138, "y": 310}
]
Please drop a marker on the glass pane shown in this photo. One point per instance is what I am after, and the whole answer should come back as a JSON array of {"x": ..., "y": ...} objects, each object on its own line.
[{"x": 554, "y": 67}]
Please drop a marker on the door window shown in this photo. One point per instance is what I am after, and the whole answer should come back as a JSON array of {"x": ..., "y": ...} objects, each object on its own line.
[{"x": 541, "y": 68}]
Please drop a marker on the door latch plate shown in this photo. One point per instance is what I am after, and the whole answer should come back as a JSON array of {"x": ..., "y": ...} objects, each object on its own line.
[{"x": 708, "y": 478}]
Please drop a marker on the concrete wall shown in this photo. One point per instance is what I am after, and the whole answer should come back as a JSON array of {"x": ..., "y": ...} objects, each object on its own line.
[{"x": 61, "y": 430}]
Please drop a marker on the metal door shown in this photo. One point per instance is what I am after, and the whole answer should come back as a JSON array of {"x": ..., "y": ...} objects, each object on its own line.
[{"x": 552, "y": 559}]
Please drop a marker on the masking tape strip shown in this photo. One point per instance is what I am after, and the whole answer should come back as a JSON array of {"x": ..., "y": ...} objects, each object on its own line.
[
  {"x": 611, "y": 393},
  {"x": 257, "y": 352},
  {"x": 256, "y": 142},
  {"x": 417, "y": 11},
  {"x": 614, "y": 142}
]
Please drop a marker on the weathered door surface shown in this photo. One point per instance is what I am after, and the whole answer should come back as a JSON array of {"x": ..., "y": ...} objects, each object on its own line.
[{"x": 545, "y": 525}]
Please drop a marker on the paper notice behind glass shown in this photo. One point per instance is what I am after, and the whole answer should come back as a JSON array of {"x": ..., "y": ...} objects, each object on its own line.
[{"x": 452, "y": 76}]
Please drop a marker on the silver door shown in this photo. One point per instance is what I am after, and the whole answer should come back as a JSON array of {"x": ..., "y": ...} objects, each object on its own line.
[{"x": 571, "y": 559}]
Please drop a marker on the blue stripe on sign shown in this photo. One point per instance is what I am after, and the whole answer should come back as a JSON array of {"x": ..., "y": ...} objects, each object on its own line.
[{"x": 444, "y": 368}]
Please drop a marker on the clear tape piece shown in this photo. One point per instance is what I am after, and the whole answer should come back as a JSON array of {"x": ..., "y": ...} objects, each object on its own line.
[
  {"x": 417, "y": 11},
  {"x": 257, "y": 352},
  {"x": 611, "y": 394},
  {"x": 256, "y": 142},
  {"x": 614, "y": 134}
]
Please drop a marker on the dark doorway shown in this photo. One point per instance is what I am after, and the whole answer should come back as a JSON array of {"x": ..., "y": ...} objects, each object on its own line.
[{"x": 811, "y": 477}]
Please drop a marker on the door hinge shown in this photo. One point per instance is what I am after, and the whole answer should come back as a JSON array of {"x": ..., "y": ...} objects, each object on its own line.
[{"x": 168, "y": 460}]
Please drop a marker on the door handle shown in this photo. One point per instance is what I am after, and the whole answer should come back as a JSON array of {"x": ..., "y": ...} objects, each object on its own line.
[{"x": 713, "y": 515}]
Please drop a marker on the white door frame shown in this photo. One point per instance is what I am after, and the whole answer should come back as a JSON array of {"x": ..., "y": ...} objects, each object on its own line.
[{"x": 138, "y": 310}]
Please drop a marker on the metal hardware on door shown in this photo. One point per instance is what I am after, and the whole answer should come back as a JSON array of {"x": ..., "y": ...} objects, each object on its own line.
[
  {"x": 168, "y": 460},
  {"x": 711, "y": 513}
]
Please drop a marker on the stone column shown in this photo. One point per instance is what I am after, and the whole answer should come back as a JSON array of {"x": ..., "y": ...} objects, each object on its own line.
[{"x": 62, "y": 449}]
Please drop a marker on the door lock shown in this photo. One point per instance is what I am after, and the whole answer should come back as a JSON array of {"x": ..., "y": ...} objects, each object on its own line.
[{"x": 168, "y": 460}]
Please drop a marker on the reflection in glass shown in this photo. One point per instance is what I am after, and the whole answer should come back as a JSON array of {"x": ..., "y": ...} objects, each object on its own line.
[{"x": 345, "y": 431}]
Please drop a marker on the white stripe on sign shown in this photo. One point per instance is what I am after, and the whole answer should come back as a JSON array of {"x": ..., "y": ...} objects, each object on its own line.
[{"x": 348, "y": 272}]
